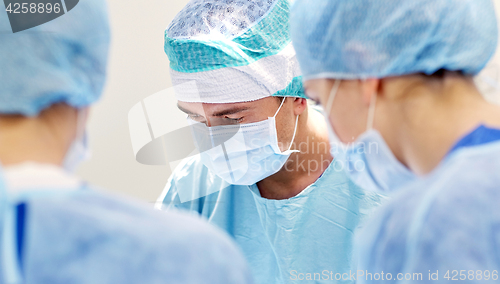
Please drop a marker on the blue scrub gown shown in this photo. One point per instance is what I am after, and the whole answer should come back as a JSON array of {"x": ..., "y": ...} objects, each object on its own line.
[
  {"x": 306, "y": 237},
  {"x": 443, "y": 227},
  {"x": 85, "y": 237}
]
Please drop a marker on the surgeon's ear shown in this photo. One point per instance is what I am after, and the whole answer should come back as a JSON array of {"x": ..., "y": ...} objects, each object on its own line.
[
  {"x": 369, "y": 88},
  {"x": 299, "y": 105}
]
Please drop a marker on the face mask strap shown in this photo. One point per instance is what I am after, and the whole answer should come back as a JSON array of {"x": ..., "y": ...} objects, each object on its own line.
[
  {"x": 371, "y": 112},
  {"x": 333, "y": 93},
  {"x": 282, "y": 102},
  {"x": 80, "y": 124},
  {"x": 294, "y": 132},
  {"x": 296, "y": 123}
]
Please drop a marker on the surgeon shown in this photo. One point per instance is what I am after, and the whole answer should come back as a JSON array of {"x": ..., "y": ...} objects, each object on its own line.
[
  {"x": 399, "y": 74},
  {"x": 264, "y": 173},
  {"x": 54, "y": 228}
]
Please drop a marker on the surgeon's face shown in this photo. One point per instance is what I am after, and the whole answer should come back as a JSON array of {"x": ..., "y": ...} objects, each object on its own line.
[
  {"x": 349, "y": 112},
  {"x": 249, "y": 112}
]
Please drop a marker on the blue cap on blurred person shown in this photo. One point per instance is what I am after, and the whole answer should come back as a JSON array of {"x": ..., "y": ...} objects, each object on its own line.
[
  {"x": 61, "y": 61},
  {"x": 359, "y": 39}
]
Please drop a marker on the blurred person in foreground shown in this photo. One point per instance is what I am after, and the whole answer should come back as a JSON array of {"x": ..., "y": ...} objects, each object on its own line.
[
  {"x": 399, "y": 74},
  {"x": 54, "y": 227}
]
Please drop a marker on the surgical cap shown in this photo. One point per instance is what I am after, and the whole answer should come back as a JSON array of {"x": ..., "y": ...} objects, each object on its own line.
[
  {"x": 61, "y": 61},
  {"x": 226, "y": 51},
  {"x": 359, "y": 39}
]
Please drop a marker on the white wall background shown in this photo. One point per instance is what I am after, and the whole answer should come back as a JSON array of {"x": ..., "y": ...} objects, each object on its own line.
[{"x": 138, "y": 68}]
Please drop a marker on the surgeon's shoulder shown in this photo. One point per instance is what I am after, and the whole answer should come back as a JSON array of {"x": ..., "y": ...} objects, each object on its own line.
[
  {"x": 470, "y": 183},
  {"x": 190, "y": 168},
  {"x": 147, "y": 245},
  {"x": 190, "y": 181},
  {"x": 453, "y": 211}
]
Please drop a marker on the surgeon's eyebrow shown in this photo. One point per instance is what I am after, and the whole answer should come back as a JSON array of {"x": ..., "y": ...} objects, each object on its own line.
[
  {"x": 217, "y": 114},
  {"x": 231, "y": 111}
]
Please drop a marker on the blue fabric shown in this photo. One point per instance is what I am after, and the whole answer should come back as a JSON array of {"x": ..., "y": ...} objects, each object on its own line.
[
  {"x": 62, "y": 61},
  {"x": 479, "y": 136},
  {"x": 449, "y": 220},
  {"x": 379, "y": 38},
  {"x": 89, "y": 237},
  {"x": 20, "y": 228},
  {"x": 197, "y": 43},
  {"x": 309, "y": 233},
  {"x": 294, "y": 89}
]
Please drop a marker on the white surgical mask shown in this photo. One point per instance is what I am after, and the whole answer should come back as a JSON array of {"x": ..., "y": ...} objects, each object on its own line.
[
  {"x": 78, "y": 151},
  {"x": 368, "y": 161},
  {"x": 242, "y": 154}
]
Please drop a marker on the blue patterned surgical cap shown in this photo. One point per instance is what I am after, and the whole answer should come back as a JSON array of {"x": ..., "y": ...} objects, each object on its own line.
[
  {"x": 358, "y": 39},
  {"x": 234, "y": 51},
  {"x": 61, "y": 61}
]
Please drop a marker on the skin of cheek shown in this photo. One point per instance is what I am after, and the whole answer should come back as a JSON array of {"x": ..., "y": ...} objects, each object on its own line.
[
  {"x": 285, "y": 124},
  {"x": 341, "y": 117},
  {"x": 348, "y": 116},
  {"x": 354, "y": 117}
]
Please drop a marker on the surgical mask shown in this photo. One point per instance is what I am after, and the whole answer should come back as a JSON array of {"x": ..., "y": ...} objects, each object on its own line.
[
  {"x": 368, "y": 161},
  {"x": 242, "y": 154},
  {"x": 79, "y": 150}
]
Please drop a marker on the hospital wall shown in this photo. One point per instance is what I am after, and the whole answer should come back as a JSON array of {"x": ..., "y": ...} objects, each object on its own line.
[{"x": 138, "y": 68}]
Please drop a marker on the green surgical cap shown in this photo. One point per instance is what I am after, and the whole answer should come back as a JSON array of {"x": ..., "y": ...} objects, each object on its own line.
[{"x": 232, "y": 51}]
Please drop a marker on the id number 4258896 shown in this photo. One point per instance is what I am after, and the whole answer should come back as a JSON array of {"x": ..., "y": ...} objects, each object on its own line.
[{"x": 33, "y": 8}]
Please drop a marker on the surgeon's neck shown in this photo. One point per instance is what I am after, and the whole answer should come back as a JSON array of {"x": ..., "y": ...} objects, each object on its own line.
[
  {"x": 424, "y": 123},
  {"x": 42, "y": 139},
  {"x": 304, "y": 168}
]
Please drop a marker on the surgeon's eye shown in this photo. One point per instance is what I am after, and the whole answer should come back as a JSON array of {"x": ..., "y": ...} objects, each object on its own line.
[
  {"x": 197, "y": 118},
  {"x": 235, "y": 120}
]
